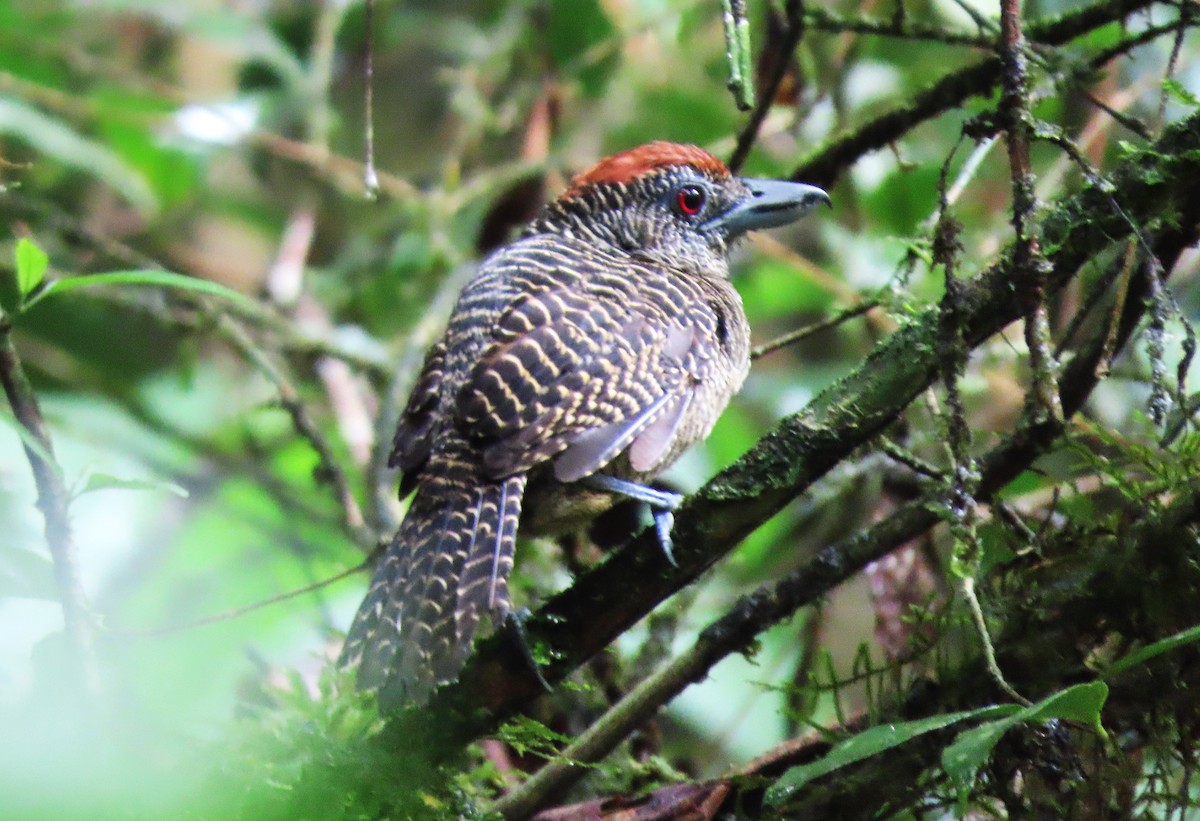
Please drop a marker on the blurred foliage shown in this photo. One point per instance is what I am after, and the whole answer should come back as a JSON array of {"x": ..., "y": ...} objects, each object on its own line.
[{"x": 223, "y": 142}]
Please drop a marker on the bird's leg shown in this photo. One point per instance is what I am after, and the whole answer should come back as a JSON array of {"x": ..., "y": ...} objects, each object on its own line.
[
  {"x": 662, "y": 504},
  {"x": 514, "y": 628}
]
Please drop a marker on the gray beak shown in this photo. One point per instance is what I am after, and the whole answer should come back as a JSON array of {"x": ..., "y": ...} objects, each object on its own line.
[{"x": 771, "y": 203}]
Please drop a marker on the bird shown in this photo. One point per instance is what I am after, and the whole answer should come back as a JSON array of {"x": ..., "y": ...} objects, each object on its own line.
[{"x": 578, "y": 363}]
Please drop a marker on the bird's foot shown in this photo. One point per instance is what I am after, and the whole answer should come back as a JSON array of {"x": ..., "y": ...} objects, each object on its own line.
[
  {"x": 514, "y": 628},
  {"x": 662, "y": 504}
]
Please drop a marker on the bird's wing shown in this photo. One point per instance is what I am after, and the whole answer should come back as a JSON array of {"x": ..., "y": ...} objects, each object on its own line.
[
  {"x": 418, "y": 423},
  {"x": 580, "y": 373}
]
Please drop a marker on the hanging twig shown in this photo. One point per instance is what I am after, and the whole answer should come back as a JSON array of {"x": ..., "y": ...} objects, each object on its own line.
[
  {"x": 737, "y": 52},
  {"x": 793, "y": 31},
  {"x": 1028, "y": 262},
  {"x": 370, "y": 177}
]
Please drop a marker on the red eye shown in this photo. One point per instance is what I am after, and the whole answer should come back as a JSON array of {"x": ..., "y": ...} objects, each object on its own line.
[{"x": 689, "y": 200}]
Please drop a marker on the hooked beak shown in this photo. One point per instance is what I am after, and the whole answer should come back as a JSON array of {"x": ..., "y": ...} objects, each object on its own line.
[{"x": 771, "y": 203}]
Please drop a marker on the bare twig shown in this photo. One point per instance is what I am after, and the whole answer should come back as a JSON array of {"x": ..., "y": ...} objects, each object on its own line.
[
  {"x": 820, "y": 19},
  {"x": 793, "y": 337},
  {"x": 320, "y": 74},
  {"x": 910, "y": 460},
  {"x": 1110, "y": 342},
  {"x": 961, "y": 503},
  {"x": 1186, "y": 10},
  {"x": 285, "y": 278}
]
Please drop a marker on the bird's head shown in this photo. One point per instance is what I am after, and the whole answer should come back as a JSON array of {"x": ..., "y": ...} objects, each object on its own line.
[{"x": 673, "y": 204}]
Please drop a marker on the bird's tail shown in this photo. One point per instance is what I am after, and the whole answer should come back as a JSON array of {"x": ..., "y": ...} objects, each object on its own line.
[{"x": 448, "y": 564}]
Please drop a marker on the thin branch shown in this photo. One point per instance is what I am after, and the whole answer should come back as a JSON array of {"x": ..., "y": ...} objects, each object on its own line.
[
  {"x": 910, "y": 460},
  {"x": 370, "y": 175},
  {"x": 1185, "y": 11},
  {"x": 1028, "y": 264},
  {"x": 737, "y": 52},
  {"x": 819, "y": 19},
  {"x": 54, "y": 503},
  {"x": 793, "y": 31},
  {"x": 961, "y": 503},
  {"x": 246, "y": 609},
  {"x": 328, "y": 467},
  {"x": 1110, "y": 342},
  {"x": 793, "y": 337}
]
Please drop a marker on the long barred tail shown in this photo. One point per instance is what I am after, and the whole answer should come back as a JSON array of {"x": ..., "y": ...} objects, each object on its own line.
[{"x": 448, "y": 564}]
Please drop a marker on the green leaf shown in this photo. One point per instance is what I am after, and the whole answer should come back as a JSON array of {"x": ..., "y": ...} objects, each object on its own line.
[
  {"x": 105, "y": 481},
  {"x": 32, "y": 262},
  {"x": 160, "y": 278},
  {"x": 53, "y": 138},
  {"x": 1183, "y": 637},
  {"x": 1082, "y": 703},
  {"x": 871, "y": 742}
]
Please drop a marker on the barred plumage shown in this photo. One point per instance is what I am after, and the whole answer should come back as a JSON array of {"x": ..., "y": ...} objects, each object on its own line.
[{"x": 607, "y": 338}]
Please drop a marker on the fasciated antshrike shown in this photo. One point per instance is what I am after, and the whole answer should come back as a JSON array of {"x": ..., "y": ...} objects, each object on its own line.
[{"x": 581, "y": 360}]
